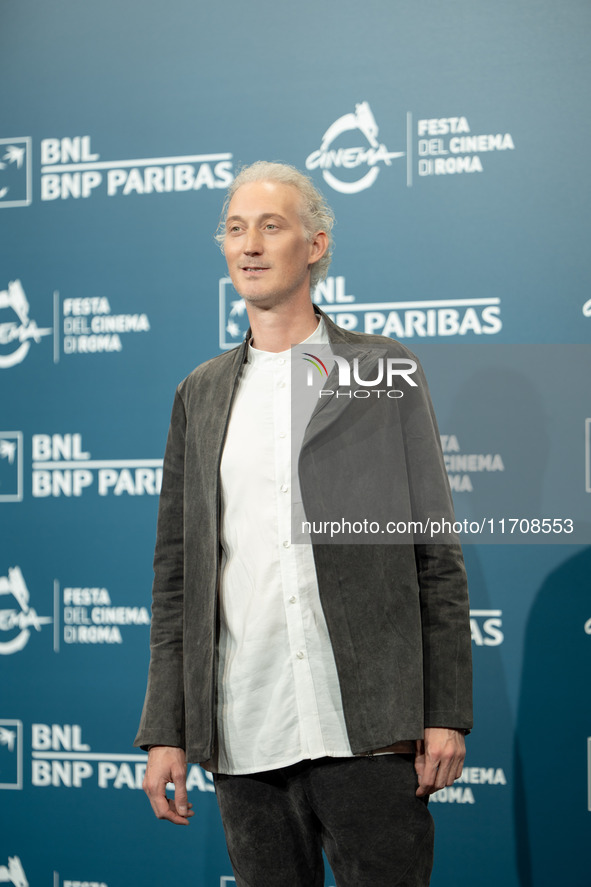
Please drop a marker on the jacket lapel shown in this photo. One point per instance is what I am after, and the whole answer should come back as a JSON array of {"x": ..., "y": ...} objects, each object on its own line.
[{"x": 346, "y": 345}]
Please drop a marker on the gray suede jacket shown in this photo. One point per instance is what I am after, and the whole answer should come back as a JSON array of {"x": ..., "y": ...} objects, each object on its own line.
[{"x": 397, "y": 613}]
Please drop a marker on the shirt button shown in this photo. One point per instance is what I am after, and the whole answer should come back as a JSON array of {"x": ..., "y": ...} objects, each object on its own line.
[
  {"x": 282, "y": 434},
  {"x": 281, "y": 385},
  {"x": 300, "y": 654},
  {"x": 293, "y": 599},
  {"x": 280, "y": 361},
  {"x": 286, "y": 543},
  {"x": 284, "y": 488}
]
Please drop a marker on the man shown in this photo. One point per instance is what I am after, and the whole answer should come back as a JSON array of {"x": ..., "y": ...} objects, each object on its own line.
[{"x": 327, "y": 686}]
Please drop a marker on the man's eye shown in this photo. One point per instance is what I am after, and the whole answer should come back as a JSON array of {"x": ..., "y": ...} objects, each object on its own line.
[{"x": 271, "y": 225}]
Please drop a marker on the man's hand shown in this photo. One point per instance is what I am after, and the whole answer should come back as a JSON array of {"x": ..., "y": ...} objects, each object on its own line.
[
  {"x": 439, "y": 759},
  {"x": 168, "y": 764}
]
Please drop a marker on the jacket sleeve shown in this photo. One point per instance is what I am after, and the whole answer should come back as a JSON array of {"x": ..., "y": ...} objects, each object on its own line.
[
  {"x": 162, "y": 720},
  {"x": 445, "y": 612}
]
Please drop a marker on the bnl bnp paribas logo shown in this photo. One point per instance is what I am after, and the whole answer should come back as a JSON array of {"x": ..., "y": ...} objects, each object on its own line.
[
  {"x": 11, "y": 466},
  {"x": 11, "y": 755},
  {"x": 405, "y": 319},
  {"x": 15, "y": 172},
  {"x": 61, "y": 467},
  {"x": 71, "y": 169}
]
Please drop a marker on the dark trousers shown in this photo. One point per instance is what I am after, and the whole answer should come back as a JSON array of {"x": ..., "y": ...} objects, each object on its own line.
[{"x": 362, "y": 811}]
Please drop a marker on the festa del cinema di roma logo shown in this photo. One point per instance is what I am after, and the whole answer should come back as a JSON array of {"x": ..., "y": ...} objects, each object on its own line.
[
  {"x": 436, "y": 146},
  {"x": 85, "y": 615},
  {"x": 13, "y": 873},
  {"x": 17, "y": 329},
  {"x": 89, "y": 326},
  {"x": 366, "y": 159},
  {"x": 17, "y": 620}
]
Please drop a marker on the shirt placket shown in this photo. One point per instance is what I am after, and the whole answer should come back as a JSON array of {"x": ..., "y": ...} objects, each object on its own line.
[{"x": 293, "y": 595}]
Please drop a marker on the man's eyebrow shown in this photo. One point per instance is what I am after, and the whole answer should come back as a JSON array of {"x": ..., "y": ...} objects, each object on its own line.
[{"x": 261, "y": 218}]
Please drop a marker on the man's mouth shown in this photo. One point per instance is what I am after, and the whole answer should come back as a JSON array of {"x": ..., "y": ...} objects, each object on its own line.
[{"x": 254, "y": 268}]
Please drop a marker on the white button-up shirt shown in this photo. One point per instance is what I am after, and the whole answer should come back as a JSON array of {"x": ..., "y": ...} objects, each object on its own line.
[{"x": 279, "y": 700}]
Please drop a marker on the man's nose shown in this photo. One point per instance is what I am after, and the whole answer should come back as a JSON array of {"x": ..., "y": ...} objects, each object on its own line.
[{"x": 253, "y": 242}]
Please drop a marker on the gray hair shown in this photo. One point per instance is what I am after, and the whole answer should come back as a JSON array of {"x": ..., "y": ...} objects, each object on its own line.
[{"x": 316, "y": 214}]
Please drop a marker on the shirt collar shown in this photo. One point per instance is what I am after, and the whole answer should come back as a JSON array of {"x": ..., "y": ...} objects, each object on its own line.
[{"x": 259, "y": 358}]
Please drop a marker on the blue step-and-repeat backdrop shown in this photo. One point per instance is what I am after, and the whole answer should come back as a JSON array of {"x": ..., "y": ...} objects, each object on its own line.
[{"x": 452, "y": 141}]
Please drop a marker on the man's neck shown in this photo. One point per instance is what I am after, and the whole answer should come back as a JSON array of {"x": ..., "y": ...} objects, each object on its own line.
[{"x": 277, "y": 330}]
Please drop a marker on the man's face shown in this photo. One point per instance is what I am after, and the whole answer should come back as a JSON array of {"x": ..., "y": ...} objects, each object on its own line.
[{"x": 266, "y": 248}]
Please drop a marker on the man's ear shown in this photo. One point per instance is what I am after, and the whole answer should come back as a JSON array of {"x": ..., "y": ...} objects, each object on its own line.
[{"x": 318, "y": 246}]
